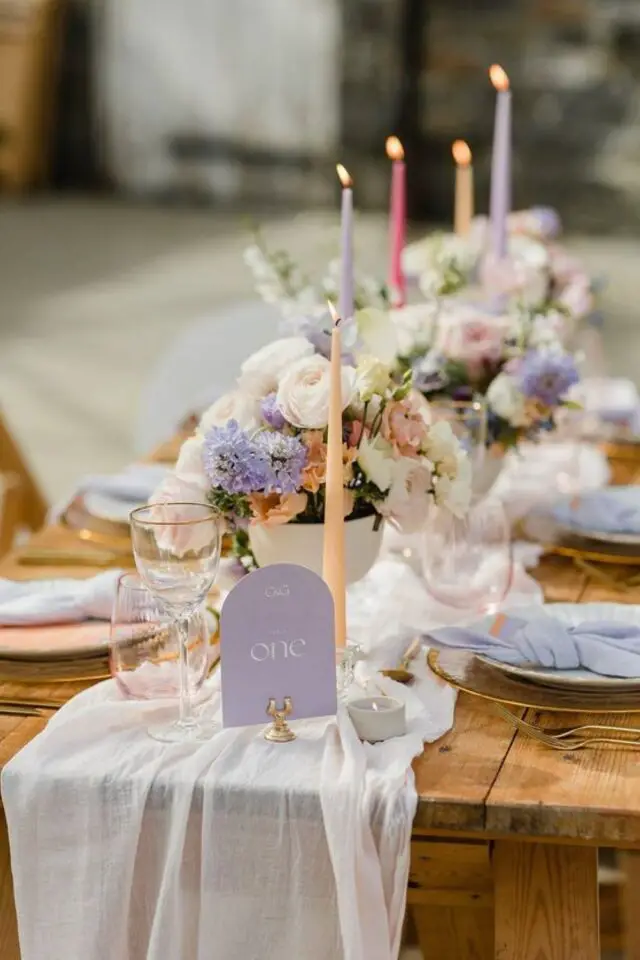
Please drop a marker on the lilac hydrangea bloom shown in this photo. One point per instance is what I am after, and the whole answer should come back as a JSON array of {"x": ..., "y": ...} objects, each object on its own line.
[
  {"x": 285, "y": 458},
  {"x": 271, "y": 413},
  {"x": 546, "y": 376},
  {"x": 316, "y": 327},
  {"x": 233, "y": 461}
]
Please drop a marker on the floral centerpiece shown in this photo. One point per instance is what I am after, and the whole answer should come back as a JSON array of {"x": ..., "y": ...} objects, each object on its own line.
[{"x": 259, "y": 453}]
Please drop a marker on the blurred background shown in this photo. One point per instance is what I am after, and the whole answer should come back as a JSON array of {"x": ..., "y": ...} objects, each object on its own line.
[{"x": 139, "y": 137}]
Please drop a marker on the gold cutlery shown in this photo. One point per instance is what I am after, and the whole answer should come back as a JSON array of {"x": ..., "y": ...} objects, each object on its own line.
[
  {"x": 401, "y": 673},
  {"x": 568, "y": 740},
  {"x": 64, "y": 556},
  {"x": 40, "y": 704},
  {"x": 8, "y": 710}
]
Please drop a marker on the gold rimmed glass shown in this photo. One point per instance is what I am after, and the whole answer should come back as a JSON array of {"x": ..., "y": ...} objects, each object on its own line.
[{"x": 177, "y": 551}]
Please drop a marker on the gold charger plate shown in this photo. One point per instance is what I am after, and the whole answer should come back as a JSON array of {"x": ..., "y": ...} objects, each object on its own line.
[
  {"x": 543, "y": 529},
  {"x": 99, "y": 529},
  {"x": 463, "y": 671}
]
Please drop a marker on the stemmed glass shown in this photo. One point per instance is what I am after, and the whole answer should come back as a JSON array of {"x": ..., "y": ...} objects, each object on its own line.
[
  {"x": 467, "y": 562},
  {"x": 144, "y": 647},
  {"x": 468, "y": 421},
  {"x": 177, "y": 550}
]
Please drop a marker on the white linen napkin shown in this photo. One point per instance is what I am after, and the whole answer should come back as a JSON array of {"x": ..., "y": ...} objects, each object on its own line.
[{"x": 57, "y": 601}]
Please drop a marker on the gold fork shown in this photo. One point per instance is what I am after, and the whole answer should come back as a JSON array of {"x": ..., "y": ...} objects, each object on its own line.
[{"x": 567, "y": 739}]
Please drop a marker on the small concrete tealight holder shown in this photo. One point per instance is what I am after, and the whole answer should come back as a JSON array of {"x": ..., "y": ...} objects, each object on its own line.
[{"x": 377, "y": 718}]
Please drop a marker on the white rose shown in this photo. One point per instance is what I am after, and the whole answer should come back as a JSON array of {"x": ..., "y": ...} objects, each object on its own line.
[
  {"x": 414, "y": 327},
  {"x": 189, "y": 469},
  {"x": 507, "y": 401},
  {"x": 409, "y": 498},
  {"x": 261, "y": 371},
  {"x": 304, "y": 390},
  {"x": 377, "y": 333},
  {"x": 236, "y": 405},
  {"x": 375, "y": 458},
  {"x": 455, "y": 494},
  {"x": 443, "y": 448},
  {"x": 372, "y": 376}
]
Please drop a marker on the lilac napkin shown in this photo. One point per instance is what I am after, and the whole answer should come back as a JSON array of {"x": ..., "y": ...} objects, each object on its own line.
[
  {"x": 612, "y": 510},
  {"x": 608, "y": 648}
]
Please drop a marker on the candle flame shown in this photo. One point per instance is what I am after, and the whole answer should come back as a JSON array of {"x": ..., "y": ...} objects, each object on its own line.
[
  {"x": 345, "y": 178},
  {"x": 395, "y": 150},
  {"x": 461, "y": 153},
  {"x": 374, "y": 706},
  {"x": 499, "y": 78},
  {"x": 334, "y": 314}
]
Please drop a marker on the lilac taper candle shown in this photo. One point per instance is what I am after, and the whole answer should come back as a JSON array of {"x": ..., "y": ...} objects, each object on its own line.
[
  {"x": 346, "y": 255},
  {"x": 500, "y": 163}
]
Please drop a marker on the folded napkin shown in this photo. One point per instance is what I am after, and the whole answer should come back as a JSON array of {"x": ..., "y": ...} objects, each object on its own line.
[
  {"x": 608, "y": 648},
  {"x": 57, "y": 601},
  {"x": 612, "y": 510}
]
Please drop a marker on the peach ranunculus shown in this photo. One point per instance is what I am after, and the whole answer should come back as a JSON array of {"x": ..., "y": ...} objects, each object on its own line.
[
  {"x": 271, "y": 509},
  {"x": 404, "y": 426},
  {"x": 315, "y": 471}
]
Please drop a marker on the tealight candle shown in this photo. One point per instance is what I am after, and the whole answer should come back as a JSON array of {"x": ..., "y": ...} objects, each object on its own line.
[{"x": 377, "y": 718}]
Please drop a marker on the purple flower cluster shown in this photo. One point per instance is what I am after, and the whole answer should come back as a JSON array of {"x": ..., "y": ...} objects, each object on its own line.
[
  {"x": 240, "y": 464},
  {"x": 546, "y": 376},
  {"x": 271, "y": 412}
]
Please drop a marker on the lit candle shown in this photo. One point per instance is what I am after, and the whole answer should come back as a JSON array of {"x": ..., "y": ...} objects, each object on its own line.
[
  {"x": 333, "y": 557},
  {"x": 463, "y": 214},
  {"x": 397, "y": 219},
  {"x": 500, "y": 163},
  {"x": 377, "y": 718},
  {"x": 346, "y": 262}
]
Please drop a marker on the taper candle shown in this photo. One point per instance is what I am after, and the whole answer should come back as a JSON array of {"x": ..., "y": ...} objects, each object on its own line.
[
  {"x": 333, "y": 568},
  {"x": 346, "y": 253},
  {"x": 397, "y": 220},
  {"x": 500, "y": 163},
  {"x": 463, "y": 210}
]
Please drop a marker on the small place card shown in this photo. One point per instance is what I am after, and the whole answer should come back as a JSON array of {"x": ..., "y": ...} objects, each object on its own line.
[{"x": 277, "y": 640}]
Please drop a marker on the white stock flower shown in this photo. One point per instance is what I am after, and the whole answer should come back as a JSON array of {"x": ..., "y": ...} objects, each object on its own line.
[
  {"x": 372, "y": 376},
  {"x": 375, "y": 458},
  {"x": 454, "y": 494},
  {"x": 414, "y": 327},
  {"x": 304, "y": 390},
  {"x": 261, "y": 372},
  {"x": 236, "y": 405},
  {"x": 507, "y": 401},
  {"x": 443, "y": 448}
]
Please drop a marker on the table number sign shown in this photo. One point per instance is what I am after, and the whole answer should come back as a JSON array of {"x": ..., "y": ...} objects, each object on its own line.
[{"x": 276, "y": 641}]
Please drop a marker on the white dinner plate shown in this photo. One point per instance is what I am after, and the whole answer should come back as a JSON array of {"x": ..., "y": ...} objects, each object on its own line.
[
  {"x": 572, "y": 614},
  {"x": 108, "y": 507}
]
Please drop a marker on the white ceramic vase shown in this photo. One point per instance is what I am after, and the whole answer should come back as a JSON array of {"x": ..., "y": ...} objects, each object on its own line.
[{"x": 302, "y": 543}]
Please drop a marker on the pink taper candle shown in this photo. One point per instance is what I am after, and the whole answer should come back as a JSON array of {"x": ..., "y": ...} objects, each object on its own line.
[
  {"x": 333, "y": 570},
  {"x": 398, "y": 220},
  {"x": 346, "y": 253},
  {"x": 463, "y": 213},
  {"x": 500, "y": 163}
]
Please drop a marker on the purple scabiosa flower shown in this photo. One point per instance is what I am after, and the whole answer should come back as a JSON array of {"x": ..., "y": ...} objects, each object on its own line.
[
  {"x": 429, "y": 373},
  {"x": 232, "y": 460},
  {"x": 285, "y": 459},
  {"x": 271, "y": 413},
  {"x": 546, "y": 376},
  {"x": 316, "y": 327}
]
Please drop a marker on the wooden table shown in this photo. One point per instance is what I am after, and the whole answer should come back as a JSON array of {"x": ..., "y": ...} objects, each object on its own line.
[{"x": 505, "y": 841}]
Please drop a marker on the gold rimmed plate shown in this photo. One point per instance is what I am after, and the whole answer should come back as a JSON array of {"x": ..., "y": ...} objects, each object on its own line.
[
  {"x": 544, "y": 529},
  {"x": 464, "y": 671}
]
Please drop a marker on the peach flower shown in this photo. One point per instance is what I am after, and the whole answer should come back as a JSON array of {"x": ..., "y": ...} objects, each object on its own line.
[
  {"x": 272, "y": 509},
  {"x": 314, "y": 474},
  {"x": 404, "y": 426}
]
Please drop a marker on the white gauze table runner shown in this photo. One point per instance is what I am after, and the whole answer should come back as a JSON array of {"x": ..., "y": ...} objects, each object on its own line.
[{"x": 237, "y": 848}]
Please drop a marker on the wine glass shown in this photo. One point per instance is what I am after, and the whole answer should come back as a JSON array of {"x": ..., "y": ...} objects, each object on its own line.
[
  {"x": 177, "y": 550},
  {"x": 144, "y": 650},
  {"x": 467, "y": 562}
]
